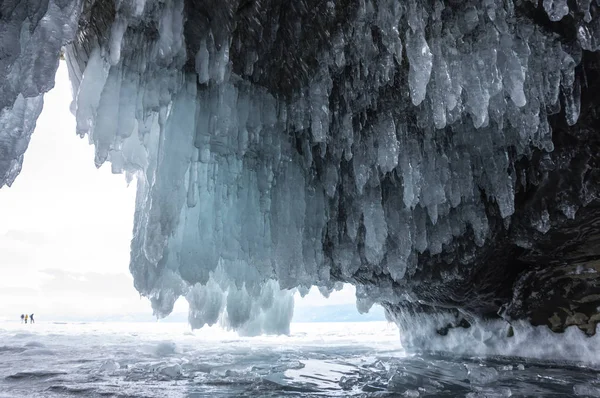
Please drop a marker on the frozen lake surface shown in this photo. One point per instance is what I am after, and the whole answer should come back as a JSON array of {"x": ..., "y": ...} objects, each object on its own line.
[{"x": 317, "y": 359}]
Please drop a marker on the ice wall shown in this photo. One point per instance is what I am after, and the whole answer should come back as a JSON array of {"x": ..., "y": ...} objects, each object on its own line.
[
  {"x": 403, "y": 127},
  {"x": 31, "y": 36},
  {"x": 496, "y": 337}
]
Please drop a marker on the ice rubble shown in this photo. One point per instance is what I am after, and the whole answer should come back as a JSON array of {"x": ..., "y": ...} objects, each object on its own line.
[{"x": 244, "y": 192}]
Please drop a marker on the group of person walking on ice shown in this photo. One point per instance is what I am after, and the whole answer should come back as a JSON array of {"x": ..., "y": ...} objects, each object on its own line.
[{"x": 25, "y": 318}]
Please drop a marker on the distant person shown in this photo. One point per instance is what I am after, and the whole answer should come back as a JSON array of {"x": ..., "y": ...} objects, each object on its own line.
[
  {"x": 31, "y": 319},
  {"x": 22, "y": 318},
  {"x": 26, "y": 316}
]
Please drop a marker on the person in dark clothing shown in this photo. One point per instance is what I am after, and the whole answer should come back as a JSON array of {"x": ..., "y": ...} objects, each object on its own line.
[
  {"x": 22, "y": 318},
  {"x": 31, "y": 319}
]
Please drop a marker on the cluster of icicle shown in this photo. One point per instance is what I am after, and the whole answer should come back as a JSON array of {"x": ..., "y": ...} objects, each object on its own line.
[{"x": 230, "y": 213}]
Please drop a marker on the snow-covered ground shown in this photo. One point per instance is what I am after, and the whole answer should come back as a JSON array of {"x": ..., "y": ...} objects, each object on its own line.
[{"x": 317, "y": 359}]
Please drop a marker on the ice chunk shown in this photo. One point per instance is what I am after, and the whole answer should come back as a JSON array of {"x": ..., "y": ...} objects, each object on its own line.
[
  {"x": 165, "y": 348},
  {"x": 481, "y": 374},
  {"x": 556, "y": 9},
  {"x": 169, "y": 371},
  {"x": 109, "y": 366}
]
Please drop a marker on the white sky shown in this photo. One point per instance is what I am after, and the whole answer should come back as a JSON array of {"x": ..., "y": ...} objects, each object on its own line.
[{"x": 65, "y": 228}]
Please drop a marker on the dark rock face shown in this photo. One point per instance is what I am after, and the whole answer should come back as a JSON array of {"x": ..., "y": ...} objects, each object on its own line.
[
  {"x": 520, "y": 272},
  {"x": 559, "y": 297},
  {"x": 546, "y": 273},
  {"x": 549, "y": 277},
  {"x": 515, "y": 234},
  {"x": 525, "y": 270}
]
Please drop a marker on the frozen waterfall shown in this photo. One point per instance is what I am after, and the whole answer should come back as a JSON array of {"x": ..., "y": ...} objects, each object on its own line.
[{"x": 277, "y": 146}]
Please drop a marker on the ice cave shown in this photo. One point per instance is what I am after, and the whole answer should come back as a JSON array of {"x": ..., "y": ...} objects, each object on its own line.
[{"x": 443, "y": 156}]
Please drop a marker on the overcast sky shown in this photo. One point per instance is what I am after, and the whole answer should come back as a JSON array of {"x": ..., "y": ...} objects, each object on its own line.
[{"x": 65, "y": 228}]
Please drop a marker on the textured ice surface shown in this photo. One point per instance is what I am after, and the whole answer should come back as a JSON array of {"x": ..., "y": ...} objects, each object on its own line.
[
  {"x": 316, "y": 360},
  {"x": 244, "y": 192}
]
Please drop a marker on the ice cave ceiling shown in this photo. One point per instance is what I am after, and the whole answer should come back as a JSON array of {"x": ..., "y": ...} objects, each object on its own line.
[{"x": 442, "y": 156}]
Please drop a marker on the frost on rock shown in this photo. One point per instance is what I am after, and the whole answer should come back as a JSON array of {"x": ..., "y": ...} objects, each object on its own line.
[{"x": 357, "y": 142}]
